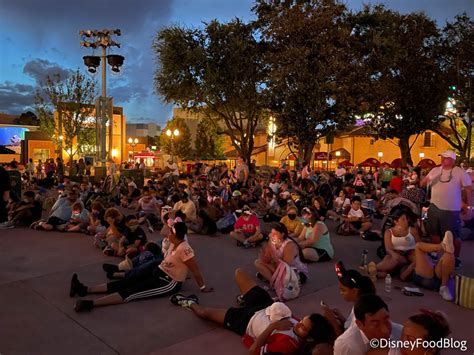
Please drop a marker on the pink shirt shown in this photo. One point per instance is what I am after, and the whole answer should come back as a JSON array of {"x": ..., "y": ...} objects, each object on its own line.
[
  {"x": 248, "y": 227},
  {"x": 174, "y": 263}
]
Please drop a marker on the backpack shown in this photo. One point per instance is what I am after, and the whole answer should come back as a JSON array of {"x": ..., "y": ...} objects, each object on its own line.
[{"x": 286, "y": 282}]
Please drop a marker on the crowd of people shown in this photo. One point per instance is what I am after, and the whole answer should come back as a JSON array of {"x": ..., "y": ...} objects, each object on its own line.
[{"x": 283, "y": 212}]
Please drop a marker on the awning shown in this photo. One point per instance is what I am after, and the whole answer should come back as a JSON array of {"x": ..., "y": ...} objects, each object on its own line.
[
  {"x": 385, "y": 165},
  {"x": 426, "y": 164},
  {"x": 345, "y": 163},
  {"x": 370, "y": 163}
]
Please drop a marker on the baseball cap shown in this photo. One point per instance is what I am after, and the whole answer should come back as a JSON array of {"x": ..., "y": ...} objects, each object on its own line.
[
  {"x": 448, "y": 154},
  {"x": 278, "y": 311},
  {"x": 236, "y": 193}
]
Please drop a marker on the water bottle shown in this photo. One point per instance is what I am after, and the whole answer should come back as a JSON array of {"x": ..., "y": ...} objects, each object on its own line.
[
  {"x": 388, "y": 283},
  {"x": 363, "y": 263}
]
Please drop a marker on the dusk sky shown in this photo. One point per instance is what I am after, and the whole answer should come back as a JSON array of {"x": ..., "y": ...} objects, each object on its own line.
[{"x": 42, "y": 37}]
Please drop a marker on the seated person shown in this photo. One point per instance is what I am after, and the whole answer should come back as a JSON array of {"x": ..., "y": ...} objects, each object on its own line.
[
  {"x": 272, "y": 210},
  {"x": 78, "y": 221},
  {"x": 399, "y": 241},
  {"x": 291, "y": 221},
  {"x": 132, "y": 195},
  {"x": 314, "y": 239},
  {"x": 356, "y": 218},
  {"x": 341, "y": 202},
  {"x": 97, "y": 223},
  {"x": 266, "y": 327},
  {"x": 434, "y": 277},
  {"x": 280, "y": 248},
  {"x": 186, "y": 206},
  {"x": 247, "y": 229},
  {"x": 148, "y": 209},
  {"x": 113, "y": 233},
  {"x": 204, "y": 224},
  {"x": 372, "y": 321},
  {"x": 426, "y": 326},
  {"x": 133, "y": 238},
  {"x": 24, "y": 212},
  {"x": 320, "y": 206},
  {"x": 60, "y": 212}
]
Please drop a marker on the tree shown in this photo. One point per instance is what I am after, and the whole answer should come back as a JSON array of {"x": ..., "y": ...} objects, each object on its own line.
[
  {"x": 217, "y": 71},
  {"x": 179, "y": 146},
  {"x": 73, "y": 100},
  {"x": 404, "y": 84},
  {"x": 208, "y": 143},
  {"x": 456, "y": 47},
  {"x": 28, "y": 119},
  {"x": 311, "y": 86}
]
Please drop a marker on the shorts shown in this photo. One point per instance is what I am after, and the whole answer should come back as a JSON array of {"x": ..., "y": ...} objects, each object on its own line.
[
  {"x": 429, "y": 283},
  {"x": 237, "y": 319},
  {"x": 322, "y": 254},
  {"x": 145, "y": 286},
  {"x": 440, "y": 221},
  {"x": 55, "y": 221}
]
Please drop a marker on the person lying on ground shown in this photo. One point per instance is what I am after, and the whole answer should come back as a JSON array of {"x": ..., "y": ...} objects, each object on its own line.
[
  {"x": 266, "y": 327},
  {"x": 280, "y": 248},
  {"x": 166, "y": 279}
]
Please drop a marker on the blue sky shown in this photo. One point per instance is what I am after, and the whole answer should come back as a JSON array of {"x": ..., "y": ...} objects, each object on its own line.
[{"x": 38, "y": 38}]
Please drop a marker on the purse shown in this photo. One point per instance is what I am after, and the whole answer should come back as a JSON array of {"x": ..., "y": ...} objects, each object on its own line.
[{"x": 464, "y": 290}]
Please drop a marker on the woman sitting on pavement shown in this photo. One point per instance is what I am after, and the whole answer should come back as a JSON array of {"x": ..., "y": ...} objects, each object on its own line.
[
  {"x": 97, "y": 223},
  {"x": 425, "y": 326},
  {"x": 434, "y": 277},
  {"x": 247, "y": 229},
  {"x": 280, "y": 248},
  {"x": 399, "y": 241},
  {"x": 314, "y": 240},
  {"x": 352, "y": 285},
  {"x": 164, "y": 280},
  {"x": 291, "y": 222},
  {"x": 266, "y": 327}
]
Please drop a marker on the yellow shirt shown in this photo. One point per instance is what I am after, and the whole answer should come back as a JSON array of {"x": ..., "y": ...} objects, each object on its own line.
[{"x": 294, "y": 226}]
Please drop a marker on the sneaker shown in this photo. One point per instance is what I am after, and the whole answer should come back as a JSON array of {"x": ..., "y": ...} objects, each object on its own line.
[
  {"x": 183, "y": 301},
  {"x": 445, "y": 293},
  {"x": 77, "y": 287},
  {"x": 7, "y": 225},
  {"x": 457, "y": 263},
  {"x": 447, "y": 242},
  {"x": 83, "y": 305}
]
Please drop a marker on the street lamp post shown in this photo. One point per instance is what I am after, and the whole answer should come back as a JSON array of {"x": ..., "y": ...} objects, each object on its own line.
[
  {"x": 133, "y": 143},
  {"x": 104, "y": 106},
  {"x": 172, "y": 135}
]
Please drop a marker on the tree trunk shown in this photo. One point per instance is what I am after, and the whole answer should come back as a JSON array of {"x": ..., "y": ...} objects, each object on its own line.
[
  {"x": 308, "y": 151},
  {"x": 405, "y": 151}
]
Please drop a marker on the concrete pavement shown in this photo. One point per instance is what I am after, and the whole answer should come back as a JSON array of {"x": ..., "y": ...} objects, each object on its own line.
[{"x": 37, "y": 315}]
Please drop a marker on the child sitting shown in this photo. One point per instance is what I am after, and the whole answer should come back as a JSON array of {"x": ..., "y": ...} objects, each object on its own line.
[
  {"x": 132, "y": 239},
  {"x": 78, "y": 220}
]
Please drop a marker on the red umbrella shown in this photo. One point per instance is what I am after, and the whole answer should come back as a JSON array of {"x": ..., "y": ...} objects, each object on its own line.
[
  {"x": 345, "y": 163},
  {"x": 396, "y": 163},
  {"x": 370, "y": 163},
  {"x": 426, "y": 164}
]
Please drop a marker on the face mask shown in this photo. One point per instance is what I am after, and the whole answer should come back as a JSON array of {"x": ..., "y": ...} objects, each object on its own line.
[
  {"x": 25, "y": 200},
  {"x": 292, "y": 216},
  {"x": 133, "y": 228},
  {"x": 76, "y": 214}
]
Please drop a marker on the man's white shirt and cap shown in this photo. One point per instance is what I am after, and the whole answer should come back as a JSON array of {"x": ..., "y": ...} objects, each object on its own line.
[
  {"x": 354, "y": 342},
  {"x": 262, "y": 319},
  {"x": 446, "y": 185}
]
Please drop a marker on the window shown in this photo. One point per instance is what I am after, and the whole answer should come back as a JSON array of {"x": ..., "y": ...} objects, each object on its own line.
[{"x": 427, "y": 140}]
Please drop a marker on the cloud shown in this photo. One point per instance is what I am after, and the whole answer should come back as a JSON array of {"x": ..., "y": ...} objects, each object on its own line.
[
  {"x": 16, "y": 98},
  {"x": 40, "y": 69}
]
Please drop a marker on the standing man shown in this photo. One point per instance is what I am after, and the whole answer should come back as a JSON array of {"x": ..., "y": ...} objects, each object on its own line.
[
  {"x": 447, "y": 183},
  {"x": 241, "y": 173},
  {"x": 60, "y": 169},
  {"x": 174, "y": 171},
  {"x": 4, "y": 193}
]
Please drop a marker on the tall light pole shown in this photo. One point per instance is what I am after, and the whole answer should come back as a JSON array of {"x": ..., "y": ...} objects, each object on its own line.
[
  {"x": 104, "y": 105},
  {"x": 172, "y": 135}
]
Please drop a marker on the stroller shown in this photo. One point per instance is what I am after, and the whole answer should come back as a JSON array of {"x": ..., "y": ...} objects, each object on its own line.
[{"x": 393, "y": 206}]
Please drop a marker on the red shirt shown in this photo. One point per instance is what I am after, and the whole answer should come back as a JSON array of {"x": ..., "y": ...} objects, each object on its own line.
[
  {"x": 280, "y": 342},
  {"x": 396, "y": 184},
  {"x": 248, "y": 227}
]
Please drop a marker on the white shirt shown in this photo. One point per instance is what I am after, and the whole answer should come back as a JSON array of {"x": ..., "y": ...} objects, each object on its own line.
[
  {"x": 446, "y": 187},
  {"x": 354, "y": 342},
  {"x": 340, "y": 172},
  {"x": 274, "y": 186},
  {"x": 174, "y": 168}
]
